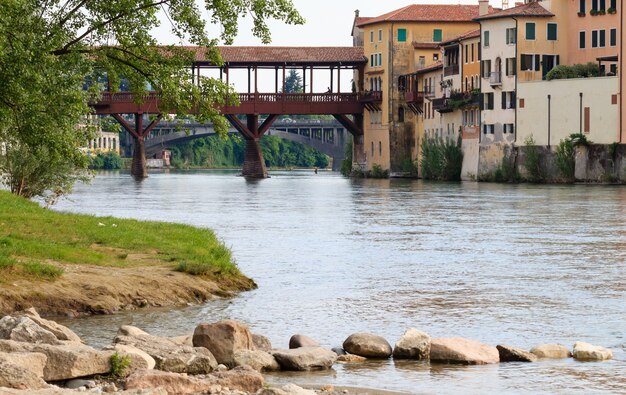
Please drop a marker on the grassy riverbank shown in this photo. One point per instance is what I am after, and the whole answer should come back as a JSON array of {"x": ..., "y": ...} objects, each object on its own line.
[{"x": 60, "y": 262}]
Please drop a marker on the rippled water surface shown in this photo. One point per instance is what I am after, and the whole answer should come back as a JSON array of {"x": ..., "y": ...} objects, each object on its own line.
[{"x": 512, "y": 264}]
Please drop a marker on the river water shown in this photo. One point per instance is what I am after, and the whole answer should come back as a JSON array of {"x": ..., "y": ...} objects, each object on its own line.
[{"x": 503, "y": 264}]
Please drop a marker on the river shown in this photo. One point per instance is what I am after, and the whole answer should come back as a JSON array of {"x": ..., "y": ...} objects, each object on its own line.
[{"x": 503, "y": 264}]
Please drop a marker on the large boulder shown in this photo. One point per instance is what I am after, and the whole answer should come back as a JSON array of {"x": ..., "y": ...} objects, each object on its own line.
[
  {"x": 61, "y": 332},
  {"x": 13, "y": 376},
  {"x": 241, "y": 379},
  {"x": 413, "y": 344},
  {"x": 305, "y": 358},
  {"x": 65, "y": 361},
  {"x": 139, "y": 359},
  {"x": 298, "y": 341},
  {"x": 588, "y": 352},
  {"x": 462, "y": 351},
  {"x": 223, "y": 338},
  {"x": 551, "y": 351},
  {"x": 168, "y": 354},
  {"x": 513, "y": 354},
  {"x": 33, "y": 361},
  {"x": 258, "y": 360},
  {"x": 23, "y": 329},
  {"x": 367, "y": 345},
  {"x": 261, "y": 343}
]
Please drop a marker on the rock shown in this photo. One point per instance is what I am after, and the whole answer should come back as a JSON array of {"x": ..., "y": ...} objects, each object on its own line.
[
  {"x": 183, "y": 340},
  {"x": 13, "y": 376},
  {"x": 512, "y": 354},
  {"x": 223, "y": 338},
  {"x": 271, "y": 391},
  {"x": 261, "y": 343},
  {"x": 258, "y": 360},
  {"x": 167, "y": 354},
  {"x": 221, "y": 368},
  {"x": 349, "y": 358},
  {"x": 551, "y": 351},
  {"x": 462, "y": 351},
  {"x": 33, "y": 361},
  {"x": 292, "y": 389},
  {"x": 367, "y": 345},
  {"x": 77, "y": 383},
  {"x": 110, "y": 387},
  {"x": 298, "y": 341},
  {"x": 241, "y": 378},
  {"x": 61, "y": 332},
  {"x": 139, "y": 359},
  {"x": 413, "y": 344},
  {"x": 23, "y": 329},
  {"x": 588, "y": 352},
  {"x": 338, "y": 351},
  {"x": 65, "y": 361},
  {"x": 305, "y": 358}
]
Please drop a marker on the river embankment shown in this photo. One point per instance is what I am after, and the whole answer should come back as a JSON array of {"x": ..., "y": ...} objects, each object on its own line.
[{"x": 76, "y": 264}]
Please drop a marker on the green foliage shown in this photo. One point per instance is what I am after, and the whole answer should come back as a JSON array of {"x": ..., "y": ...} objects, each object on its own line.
[
  {"x": 346, "y": 164},
  {"x": 293, "y": 82},
  {"x": 120, "y": 365},
  {"x": 50, "y": 50},
  {"x": 37, "y": 234},
  {"x": 579, "y": 139},
  {"x": 532, "y": 160},
  {"x": 565, "y": 159},
  {"x": 378, "y": 172},
  {"x": 441, "y": 159},
  {"x": 214, "y": 152},
  {"x": 106, "y": 161},
  {"x": 575, "y": 71},
  {"x": 42, "y": 270},
  {"x": 506, "y": 172}
]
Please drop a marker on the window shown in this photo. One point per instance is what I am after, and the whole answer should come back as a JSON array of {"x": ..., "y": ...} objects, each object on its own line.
[
  {"x": 602, "y": 38},
  {"x": 508, "y": 128},
  {"x": 437, "y": 35},
  {"x": 530, "y": 31},
  {"x": 511, "y": 35},
  {"x": 486, "y": 68},
  {"x": 401, "y": 114},
  {"x": 372, "y": 36},
  {"x": 401, "y": 35},
  {"x": 594, "y": 4},
  {"x": 380, "y": 35},
  {"x": 472, "y": 52},
  {"x": 372, "y": 149},
  {"x": 582, "y": 7},
  {"x": 614, "y": 4},
  {"x": 552, "y": 31},
  {"x": 530, "y": 63},
  {"x": 422, "y": 61},
  {"x": 380, "y": 149},
  {"x": 508, "y": 100},
  {"x": 581, "y": 40},
  {"x": 613, "y": 39},
  {"x": 372, "y": 61},
  {"x": 488, "y": 101},
  {"x": 466, "y": 54},
  {"x": 486, "y": 38},
  {"x": 435, "y": 57},
  {"x": 603, "y": 4},
  {"x": 488, "y": 129},
  {"x": 511, "y": 67},
  {"x": 594, "y": 39}
]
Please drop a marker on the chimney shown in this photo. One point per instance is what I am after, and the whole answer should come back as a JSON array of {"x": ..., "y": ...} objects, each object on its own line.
[
  {"x": 356, "y": 13},
  {"x": 483, "y": 7}
]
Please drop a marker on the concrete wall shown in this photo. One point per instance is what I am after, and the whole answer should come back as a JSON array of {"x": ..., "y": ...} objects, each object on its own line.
[
  {"x": 532, "y": 118},
  {"x": 469, "y": 169}
]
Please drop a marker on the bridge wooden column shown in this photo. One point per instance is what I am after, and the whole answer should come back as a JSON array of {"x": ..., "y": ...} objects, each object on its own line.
[
  {"x": 254, "y": 163},
  {"x": 138, "y": 168},
  {"x": 355, "y": 127}
]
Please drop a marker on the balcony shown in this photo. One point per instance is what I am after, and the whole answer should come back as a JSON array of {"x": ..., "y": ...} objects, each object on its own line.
[
  {"x": 441, "y": 105},
  {"x": 372, "y": 100},
  {"x": 495, "y": 78},
  {"x": 415, "y": 101},
  {"x": 451, "y": 70}
]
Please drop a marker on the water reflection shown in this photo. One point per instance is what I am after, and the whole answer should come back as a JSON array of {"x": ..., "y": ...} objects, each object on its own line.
[{"x": 514, "y": 264}]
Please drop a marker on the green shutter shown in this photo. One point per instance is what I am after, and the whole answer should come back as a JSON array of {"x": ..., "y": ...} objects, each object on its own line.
[
  {"x": 401, "y": 35},
  {"x": 530, "y": 31},
  {"x": 486, "y": 40},
  {"x": 437, "y": 35},
  {"x": 552, "y": 31}
]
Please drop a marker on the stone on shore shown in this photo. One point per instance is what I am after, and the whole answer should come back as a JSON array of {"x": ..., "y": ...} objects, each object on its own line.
[
  {"x": 350, "y": 358},
  {"x": 588, "y": 352},
  {"x": 298, "y": 341},
  {"x": 305, "y": 358},
  {"x": 241, "y": 379},
  {"x": 65, "y": 361},
  {"x": 261, "y": 343},
  {"x": 413, "y": 344},
  {"x": 367, "y": 345},
  {"x": 339, "y": 351},
  {"x": 222, "y": 339},
  {"x": 23, "y": 329},
  {"x": 258, "y": 360},
  {"x": 61, "y": 332},
  {"x": 458, "y": 350},
  {"x": 139, "y": 359},
  {"x": 33, "y": 361},
  {"x": 551, "y": 351},
  {"x": 13, "y": 376},
  {"x": 168, "y": 355},
  {"x": 182, "y": 340},
  {"x": 514, "y": 354}
]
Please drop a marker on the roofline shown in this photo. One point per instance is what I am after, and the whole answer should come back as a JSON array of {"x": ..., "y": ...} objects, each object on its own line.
[{"x": 416, "y": 21}]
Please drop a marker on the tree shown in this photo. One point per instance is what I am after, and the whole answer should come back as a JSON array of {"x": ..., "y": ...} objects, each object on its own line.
[
  {"x": 293, "y": 82},
  {"x": 51, "y": 49}
]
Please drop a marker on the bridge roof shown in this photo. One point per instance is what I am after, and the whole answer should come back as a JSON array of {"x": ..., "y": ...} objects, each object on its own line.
[{"x": 288, "y": 56}]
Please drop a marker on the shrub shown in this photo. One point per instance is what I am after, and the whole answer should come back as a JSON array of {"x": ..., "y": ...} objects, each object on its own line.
[
  {"x": 579, "y": 139},
  {"x": 532, "y": 160},
  {"x": 119, "y": 365},
  {"x": 441, "y": 159},
  {"x": 106, "y": 161},
  {"x": 346, "y": 164},
  {"x": 576, "y": 71},
  {"x": 565, "y": 158},
  {"x": 378, "y": 172}
]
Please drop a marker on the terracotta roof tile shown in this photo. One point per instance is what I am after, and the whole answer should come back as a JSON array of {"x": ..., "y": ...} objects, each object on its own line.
[
  {"x": 429, "y": 13},
  {"x": 417, "y": 45},
  {"x": 471, "y": 34},
  {"x": 432, "y": 67},
  {"x": 530, "y": 9},
  {"x": 289, "y": 55}
]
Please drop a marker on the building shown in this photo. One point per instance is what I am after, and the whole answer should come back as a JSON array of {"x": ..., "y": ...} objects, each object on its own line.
[
  {"x": 397, "y": 44},
  {"x": 105, "y": 142},
  {"x": 622, "y": 67}
]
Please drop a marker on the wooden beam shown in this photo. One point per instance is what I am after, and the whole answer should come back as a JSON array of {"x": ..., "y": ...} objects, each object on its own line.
[
  {"x": 152, "y": 124},
  {"x": 125, "y": 124},
  {"x": 267, "y": 123},
  {"x": 351, "y": 126},
  {"x": 241, "y": 128}
]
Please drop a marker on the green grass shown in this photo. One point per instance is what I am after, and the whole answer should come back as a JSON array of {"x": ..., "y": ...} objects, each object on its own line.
[{"x": 31, "y": 235}]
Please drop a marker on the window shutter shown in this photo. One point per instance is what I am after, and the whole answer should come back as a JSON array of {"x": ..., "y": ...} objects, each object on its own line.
[
  {"x": 507, "y": 67},
  {"x": 524, "y": 66},
  {"x": 537, "y": 63},
  {"x": 513, "y": 100},
  {"x": 558, "y": 60},
  {"x": 482, "y": 102},
  {"x": 503, "y": 100},
  {"x": 491, "y": 100}
]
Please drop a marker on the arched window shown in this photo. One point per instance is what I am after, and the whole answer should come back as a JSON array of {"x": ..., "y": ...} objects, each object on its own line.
[
  {"x": 380, "y": 149},
  {"x": 114, "y": 143},
  {"x": 401, "y": 114},
  {"x": 472, "y": 83},
  {"x": 466, "y": 84},
  {"x": 372, "y": 149}
]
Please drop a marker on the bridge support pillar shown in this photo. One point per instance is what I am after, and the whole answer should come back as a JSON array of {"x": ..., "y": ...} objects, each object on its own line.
[
  {"x": 254, "y": 163},
  {"x": 138, "y": 169},
  {"x": 355, "y": 127}
]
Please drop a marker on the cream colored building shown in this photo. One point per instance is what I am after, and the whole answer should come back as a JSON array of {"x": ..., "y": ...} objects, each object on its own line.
[
  {"x": 105, "y": 142},
  {"x": 551, "y": 111}
]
